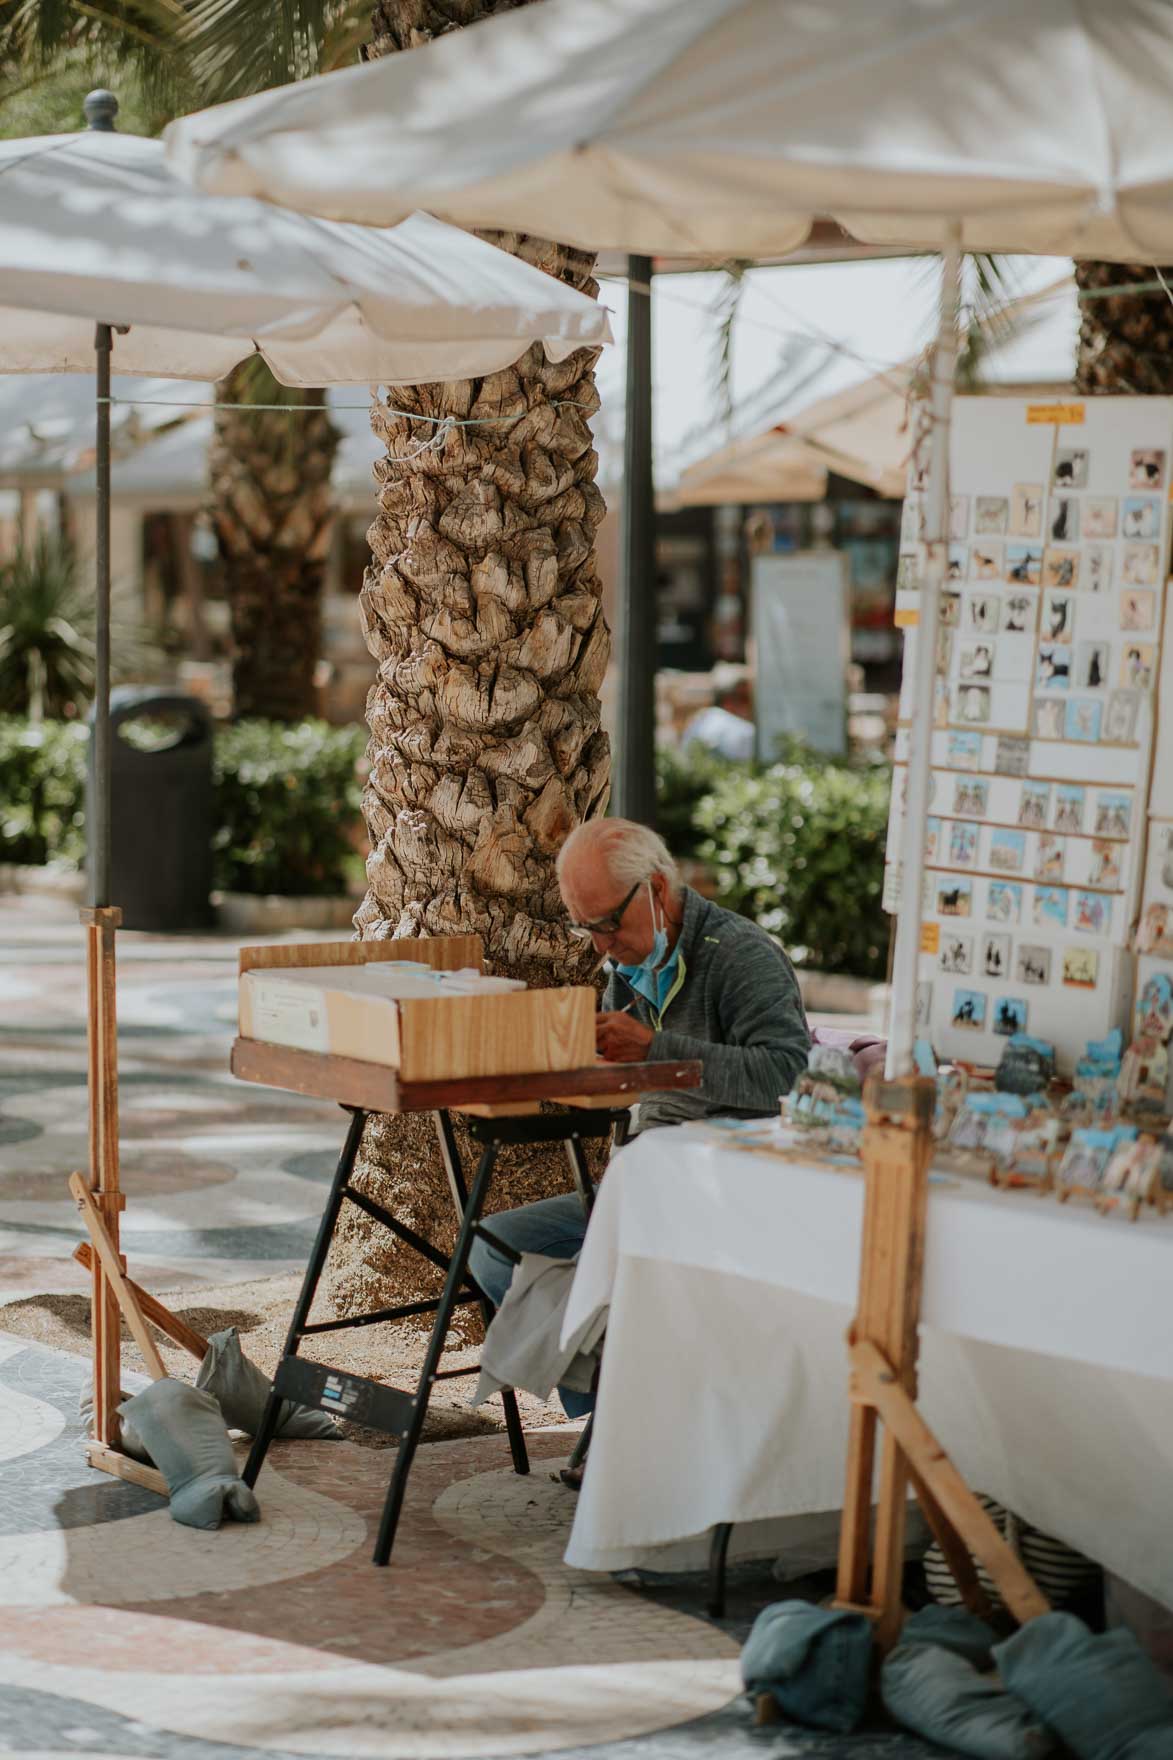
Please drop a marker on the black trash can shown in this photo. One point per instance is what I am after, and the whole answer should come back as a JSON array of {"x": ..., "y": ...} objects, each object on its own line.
[{"x": 160, "y": 808}]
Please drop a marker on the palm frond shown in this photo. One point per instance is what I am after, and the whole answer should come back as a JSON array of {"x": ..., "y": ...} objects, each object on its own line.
[
  {"x": 235, "y": 47},
  {"x": 725, "y": 308},
  {"x": 48, "y": 629},
  {"x": 38, "y": 36}
]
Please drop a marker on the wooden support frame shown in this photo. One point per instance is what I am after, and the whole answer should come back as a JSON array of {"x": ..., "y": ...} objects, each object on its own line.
[
  {"x": 100, "y": 1199},
  {"x": 177, "y": 1330},
  {"x": 883, "y": 1347}
]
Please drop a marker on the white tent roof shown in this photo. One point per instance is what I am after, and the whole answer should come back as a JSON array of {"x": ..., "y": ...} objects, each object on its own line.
[
  {"x": 861, "y": 431},
  {"x": 803, "y": 334},
  {"x": 96, "y": 228}
]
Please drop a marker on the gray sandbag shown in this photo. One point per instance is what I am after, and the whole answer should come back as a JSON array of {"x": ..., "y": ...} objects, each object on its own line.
[
  {"x": 241, "y": 1389},
  {"x": 1100, "y": 1694},
  {"x": 814, "y": 1662},
  {"x": 129, "y": 1440},
  {"x": 933, "y": 1684},
  {"x": 185, "y": 1436}
]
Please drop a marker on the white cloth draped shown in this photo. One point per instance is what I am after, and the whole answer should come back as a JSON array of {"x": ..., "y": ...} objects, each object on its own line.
[{"x": 1046, "y": 1366}]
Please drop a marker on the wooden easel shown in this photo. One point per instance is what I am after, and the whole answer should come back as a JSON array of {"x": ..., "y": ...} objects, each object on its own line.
[
  {"x": 883, "y": 1346},
  {"x": 101, "y": 1202}
]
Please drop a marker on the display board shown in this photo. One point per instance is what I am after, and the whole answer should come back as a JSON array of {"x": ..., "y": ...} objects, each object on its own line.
[
  {"x": 801, "y": 638},
  {"x": 1048, "y": 662}
]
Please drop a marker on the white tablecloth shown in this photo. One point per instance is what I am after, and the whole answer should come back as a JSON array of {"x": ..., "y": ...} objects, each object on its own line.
[{"x": 1046, "y": 1361}]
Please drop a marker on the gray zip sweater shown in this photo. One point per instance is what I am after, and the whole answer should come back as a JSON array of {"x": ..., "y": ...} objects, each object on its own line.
[{"x": 738, "y": 1009}]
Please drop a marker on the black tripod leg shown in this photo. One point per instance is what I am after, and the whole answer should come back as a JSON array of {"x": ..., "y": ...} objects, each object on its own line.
[
  {"x": 579, "y": 1452},
  {"x": 582, "y": 1178},
  {"x": 309, "y": 1289},
  {"x": 516, "y": 1433},
  {"x": 410, "y": 1440},
  {"x": 718, "y": 1553},
  {"x": 450, "y": 1155}
]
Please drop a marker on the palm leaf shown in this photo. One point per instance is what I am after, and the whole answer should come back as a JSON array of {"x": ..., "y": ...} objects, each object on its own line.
[{"x": 234, "y": 47}]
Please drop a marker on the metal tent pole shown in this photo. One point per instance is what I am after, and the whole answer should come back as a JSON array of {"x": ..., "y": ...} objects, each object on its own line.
[
  {"x": 635, "y": 781},
  {"x": 920, "y": 733},
  {"x": 98, "y": 838}
]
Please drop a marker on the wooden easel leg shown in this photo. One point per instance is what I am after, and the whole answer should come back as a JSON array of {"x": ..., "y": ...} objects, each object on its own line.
[
  {"x": 953, "y": 1549},
  {"x": 177, "y": 1330},
  {"x": 124, "y": 1297},
  {"x": 888, "y": 1546},
  {"x": 884, "y": 1346},
  {"x": 961, "y": 1509},
  {"x": 855, "y": 1533},
  {"x": 101, "y": 922}
]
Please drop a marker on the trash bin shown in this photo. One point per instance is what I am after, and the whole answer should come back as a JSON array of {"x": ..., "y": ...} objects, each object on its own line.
[{"x": 160, "y": 808}]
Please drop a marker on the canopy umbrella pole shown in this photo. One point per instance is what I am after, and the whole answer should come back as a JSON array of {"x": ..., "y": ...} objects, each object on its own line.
[
  {"x": 635, "y": 781},
  {"x": 902, "y": 1035},
  {"x": 99, "y": 833},
  {"x": 101, "y": 920}
]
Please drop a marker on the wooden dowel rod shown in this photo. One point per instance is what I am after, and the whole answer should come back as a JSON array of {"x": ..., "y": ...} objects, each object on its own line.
[
  {"x": 153, "y": 1310},
  {"x": 876, "y": 1382},
  {"x": 114, "y": 1278}
]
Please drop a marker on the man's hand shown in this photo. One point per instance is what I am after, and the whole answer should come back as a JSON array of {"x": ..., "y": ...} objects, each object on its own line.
[{"x": 620, "y": 1038}]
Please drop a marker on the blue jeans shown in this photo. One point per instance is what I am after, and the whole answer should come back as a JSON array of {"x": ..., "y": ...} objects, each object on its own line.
[{"x": 553, "y": 1226}]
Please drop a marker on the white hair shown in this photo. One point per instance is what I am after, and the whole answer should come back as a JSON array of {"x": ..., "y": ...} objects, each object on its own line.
[{"x": 629, "y": 852}]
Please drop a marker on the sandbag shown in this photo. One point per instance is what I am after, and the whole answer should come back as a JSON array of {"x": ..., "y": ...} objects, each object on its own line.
[
  {"x": 815, "y": 1662},
  {"x": 129, "y": 1440},
  {"x": 1100, "y": 1694},
  {"x": 241, "y": 1389},
  {"x": 933, "y": 1684},
  {"x": 186, "y": 1438}
]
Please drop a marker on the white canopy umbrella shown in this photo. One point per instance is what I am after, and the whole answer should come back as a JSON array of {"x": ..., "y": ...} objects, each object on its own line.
[
  {"x": 96, "y": 228},
  {"x": 722, "y": 127},
  {"x": 725, "y": 127}
]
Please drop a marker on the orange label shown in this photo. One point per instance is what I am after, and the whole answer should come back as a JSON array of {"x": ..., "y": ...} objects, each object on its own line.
[
  {"x": 930, "y": 937},
  {"x": 906, "y": 619},
  {"x": 1063, "y": 414}
]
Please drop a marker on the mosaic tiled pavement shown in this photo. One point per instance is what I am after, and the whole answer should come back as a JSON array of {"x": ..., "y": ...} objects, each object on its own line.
[{"x": 124, "y": 1634}]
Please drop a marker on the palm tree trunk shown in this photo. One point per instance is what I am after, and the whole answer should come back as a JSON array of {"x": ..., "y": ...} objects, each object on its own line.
[
  {"x": 481, "y": 609},
  {"x": 1126, "y": 339},
  {"x": 271, "y": 506}
]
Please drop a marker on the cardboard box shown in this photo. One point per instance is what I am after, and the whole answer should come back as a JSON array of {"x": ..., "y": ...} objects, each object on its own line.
[{"x": 428, "y": 1026}]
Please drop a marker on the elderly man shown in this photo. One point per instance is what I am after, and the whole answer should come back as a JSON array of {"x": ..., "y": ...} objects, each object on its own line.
[{"x": 687, "y": 980}]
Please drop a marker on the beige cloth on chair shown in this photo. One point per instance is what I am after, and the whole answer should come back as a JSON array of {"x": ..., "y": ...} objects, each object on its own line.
[{"x": 523, "y": 1346}]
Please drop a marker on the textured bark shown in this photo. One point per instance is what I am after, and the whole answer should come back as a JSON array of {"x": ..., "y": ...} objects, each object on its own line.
[
  {"x": 481, "y": 609},
  {"x": 271, "y": 506},
  {"x": 1125, "y": 340}
]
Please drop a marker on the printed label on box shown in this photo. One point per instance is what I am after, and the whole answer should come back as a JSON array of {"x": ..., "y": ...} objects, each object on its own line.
[{"x": 286, "y": 1014}]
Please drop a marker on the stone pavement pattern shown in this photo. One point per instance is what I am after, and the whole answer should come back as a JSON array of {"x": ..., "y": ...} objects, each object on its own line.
[{"x": 122, "y": 1633}]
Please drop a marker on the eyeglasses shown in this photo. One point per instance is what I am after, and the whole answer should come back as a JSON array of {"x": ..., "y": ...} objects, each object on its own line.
[{"x": 608, "y": 925}]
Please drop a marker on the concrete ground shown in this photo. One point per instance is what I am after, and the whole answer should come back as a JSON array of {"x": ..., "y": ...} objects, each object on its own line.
[{"x": 125, "y": 1634}]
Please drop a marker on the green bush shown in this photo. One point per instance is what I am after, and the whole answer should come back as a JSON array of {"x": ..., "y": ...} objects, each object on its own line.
[
  {"x": 799, "y": 847},
  {"x": 683, "y": 780},
  {"x": 287, "y": 802},
  {"x": 42, "y": 791}
]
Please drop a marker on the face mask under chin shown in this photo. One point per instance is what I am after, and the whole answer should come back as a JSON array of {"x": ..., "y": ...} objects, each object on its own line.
[{"x": 657, "y": 954}]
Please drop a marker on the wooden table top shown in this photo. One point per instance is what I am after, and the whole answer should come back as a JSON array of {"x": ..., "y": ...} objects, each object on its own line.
[{"x": 376, "y": 1087}]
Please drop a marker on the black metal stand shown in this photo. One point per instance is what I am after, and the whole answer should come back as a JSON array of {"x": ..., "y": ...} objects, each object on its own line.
[
  {"x": 718, "y": 1556},
  {"x": 369, "y": 1402}
]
